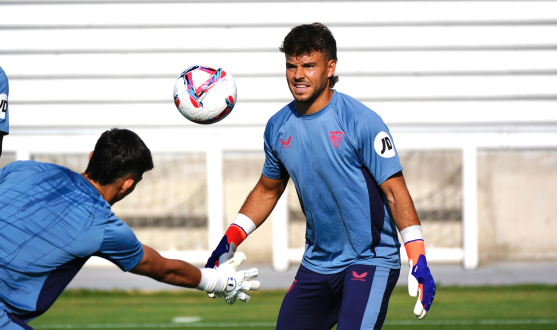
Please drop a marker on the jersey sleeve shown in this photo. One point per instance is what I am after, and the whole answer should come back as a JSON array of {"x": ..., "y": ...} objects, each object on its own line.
[
  {"x": 120, "y": 245},
  {"x": 377, "y": 148},
  {"x": 273, "y": 168}
]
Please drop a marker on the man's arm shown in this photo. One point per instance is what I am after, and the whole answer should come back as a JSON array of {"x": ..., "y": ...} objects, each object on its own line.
[
  {"x": 400, "y": 202},
  {"x": 175, "y": 272},
  {"x": 420, "y": 281},
  {"x": 215, "y": 281},
  {"x": 263, "y": 198},
  {"x": 256, "y": 209}
]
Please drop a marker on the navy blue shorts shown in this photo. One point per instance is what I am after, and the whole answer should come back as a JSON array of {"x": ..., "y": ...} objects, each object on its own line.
[
  {"x": 356, "y": 298},
  {"x": 10, "y": 322}
]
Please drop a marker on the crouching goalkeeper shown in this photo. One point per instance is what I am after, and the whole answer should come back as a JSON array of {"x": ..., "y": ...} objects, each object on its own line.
[{"x": 52, "y": 220}]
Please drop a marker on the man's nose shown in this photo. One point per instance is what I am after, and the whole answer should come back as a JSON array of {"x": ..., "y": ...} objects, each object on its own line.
[{"x": 299, "y": 74}]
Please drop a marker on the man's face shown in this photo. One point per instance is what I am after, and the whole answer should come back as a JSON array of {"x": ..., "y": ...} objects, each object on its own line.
[{"x": 308, "y": 75}]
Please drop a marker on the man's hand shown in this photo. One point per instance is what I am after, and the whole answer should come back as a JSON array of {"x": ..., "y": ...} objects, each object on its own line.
[
  {"x": 238, "y": 282},
  {"x": 223, "y": 252},
  {"x": 421, "y": 284},
  {"x": 230, "y": 284},
  {"x": 234, "y": 236}
]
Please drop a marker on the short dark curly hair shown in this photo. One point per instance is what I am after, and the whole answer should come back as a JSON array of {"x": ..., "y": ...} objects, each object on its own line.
[
  {"x": 308, "y": 38},
  {"x": 118, "y": 152}
]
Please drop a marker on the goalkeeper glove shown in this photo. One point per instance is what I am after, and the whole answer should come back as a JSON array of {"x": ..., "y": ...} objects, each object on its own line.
[
  {"x": 228, "y": 283},
  {"x": 420, "y": 281},
  {"x": 234, "y": 236}
]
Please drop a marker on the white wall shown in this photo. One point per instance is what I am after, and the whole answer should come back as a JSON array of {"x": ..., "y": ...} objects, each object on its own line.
[
  {"x": 85, "y": 66},
  {"x": 442, "y": 74}
]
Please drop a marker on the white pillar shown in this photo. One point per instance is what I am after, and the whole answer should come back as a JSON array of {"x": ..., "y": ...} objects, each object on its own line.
[
  {"x": 470, "y": 207},
  {"x": 280, "y": 234},
  {"x": 22, "y": 154},
  {"x": 214, "y": 197}
]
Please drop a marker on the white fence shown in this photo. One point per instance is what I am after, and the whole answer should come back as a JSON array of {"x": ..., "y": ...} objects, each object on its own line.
[
  {"x": 214, "y": 145},
  {"x": 458, "y": 75}
]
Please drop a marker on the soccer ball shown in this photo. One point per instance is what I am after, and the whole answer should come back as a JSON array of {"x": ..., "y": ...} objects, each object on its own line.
[{"x": 205, "y": 95}]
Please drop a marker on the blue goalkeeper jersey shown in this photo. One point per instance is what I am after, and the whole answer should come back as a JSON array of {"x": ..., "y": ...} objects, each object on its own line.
[
  {"x": 337, "y": 158},
  {"x": 51, "y": 221},
  {"x": 4, "y": 92}
]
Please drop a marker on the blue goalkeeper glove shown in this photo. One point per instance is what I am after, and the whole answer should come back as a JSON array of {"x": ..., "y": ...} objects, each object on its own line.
[
  {"x": 421, "y": 284},
  {"x": 234, "y": 236},
  {"x": 420, "y": 281}
]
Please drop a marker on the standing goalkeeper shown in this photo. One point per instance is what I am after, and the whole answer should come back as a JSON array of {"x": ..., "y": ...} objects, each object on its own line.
[{"x": 344, "y": 164}]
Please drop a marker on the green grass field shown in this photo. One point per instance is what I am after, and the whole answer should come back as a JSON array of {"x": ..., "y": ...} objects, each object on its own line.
[{"x": 477, "y": 308}]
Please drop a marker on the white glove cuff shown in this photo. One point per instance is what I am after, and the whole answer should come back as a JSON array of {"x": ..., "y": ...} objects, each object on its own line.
[
  {"x": 209, "y": 280},
  {"x": 411, "y": 233},
  {"x": 245, "y": 223}
]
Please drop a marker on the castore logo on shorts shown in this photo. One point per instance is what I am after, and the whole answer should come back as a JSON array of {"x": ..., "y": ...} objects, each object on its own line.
[{"x": 359, "y": 277}]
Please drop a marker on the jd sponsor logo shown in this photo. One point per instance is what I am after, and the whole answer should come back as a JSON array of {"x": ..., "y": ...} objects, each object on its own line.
[
  {"x": 3, "y": 105},
  {"x": 383, "y": 145}
]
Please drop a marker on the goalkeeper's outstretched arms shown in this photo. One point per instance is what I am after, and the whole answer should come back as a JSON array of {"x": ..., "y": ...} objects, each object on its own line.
[
  {"x": 420, "y": 281},
  {"x": 257, "y": 207},
  {"x": 224, "y": 282}
]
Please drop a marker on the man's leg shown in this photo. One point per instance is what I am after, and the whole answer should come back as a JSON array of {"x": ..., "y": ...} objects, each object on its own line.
[
  {"x": 367, "y": 290},
  {"x": 311, "y": 302},
  {"x": 9, "y": 322}
]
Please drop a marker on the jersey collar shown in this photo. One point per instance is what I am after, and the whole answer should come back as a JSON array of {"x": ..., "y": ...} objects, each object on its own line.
[{"x": 318, "y": 113}]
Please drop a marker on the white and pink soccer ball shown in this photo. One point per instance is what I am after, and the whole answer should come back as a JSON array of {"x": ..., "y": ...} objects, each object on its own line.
[{"x": 205, "y": 95}]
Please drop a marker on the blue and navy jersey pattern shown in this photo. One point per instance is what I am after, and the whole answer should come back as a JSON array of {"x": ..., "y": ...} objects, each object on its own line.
[
  {"x": 337, "y": 158},
  {"x": 51, "y": 221},
  {"x": 4, "y": 93}
]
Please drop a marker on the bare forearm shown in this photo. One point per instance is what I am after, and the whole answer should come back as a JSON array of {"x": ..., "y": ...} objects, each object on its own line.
[
  {"x": 400, "y": 202},
  {"x": 181, "y": 273},
  {"x": 261, "y": 201},
  {"x": 170, "y": 271},
  {"x": 403, "y": 211}
]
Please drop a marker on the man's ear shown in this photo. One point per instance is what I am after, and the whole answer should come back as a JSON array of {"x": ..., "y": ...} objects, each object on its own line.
[
  {"x": 127, "y": 184},
  {"x": 331, "y": 67},
  {"x": 90, "y": 155}
]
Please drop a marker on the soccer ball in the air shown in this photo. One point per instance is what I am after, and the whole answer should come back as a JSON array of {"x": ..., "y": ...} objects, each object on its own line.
[{"x": 205, "y": 95}]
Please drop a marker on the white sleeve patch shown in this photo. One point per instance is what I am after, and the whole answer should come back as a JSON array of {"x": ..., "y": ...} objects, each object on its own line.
[
  {"x": 3, "y": 105},
  {"x": 383, "y": 145}
]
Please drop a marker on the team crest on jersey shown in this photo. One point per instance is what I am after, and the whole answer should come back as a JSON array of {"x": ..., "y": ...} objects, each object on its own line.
[{"x": 336, "y": 138}]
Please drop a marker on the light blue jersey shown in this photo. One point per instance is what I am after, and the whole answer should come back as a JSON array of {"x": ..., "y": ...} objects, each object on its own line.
[
  {"x": 4, "y": 92},
  {"x": 337, "y": 158},
  {"x": 51, "y": 221}
]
